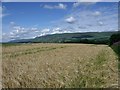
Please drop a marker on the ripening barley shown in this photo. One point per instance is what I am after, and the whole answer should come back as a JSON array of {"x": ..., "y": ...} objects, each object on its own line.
[{"x": 59, "y": 65}]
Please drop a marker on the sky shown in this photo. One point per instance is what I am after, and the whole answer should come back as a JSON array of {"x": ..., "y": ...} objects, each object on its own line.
[{"x": 24, "y": 20}]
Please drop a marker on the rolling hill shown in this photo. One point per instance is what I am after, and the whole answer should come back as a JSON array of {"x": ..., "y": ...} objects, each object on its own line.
[{"x": 88, "y": 37}]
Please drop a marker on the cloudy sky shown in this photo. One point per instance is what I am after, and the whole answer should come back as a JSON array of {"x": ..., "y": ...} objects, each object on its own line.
[{"x": 23, "y": 20}]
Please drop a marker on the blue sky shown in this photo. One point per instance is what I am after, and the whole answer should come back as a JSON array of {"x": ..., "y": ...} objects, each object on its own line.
[{"x": 22, "y": 20}]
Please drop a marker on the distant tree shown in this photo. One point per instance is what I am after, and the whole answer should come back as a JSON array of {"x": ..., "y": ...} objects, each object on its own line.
[{"x": 114, "y": 38}]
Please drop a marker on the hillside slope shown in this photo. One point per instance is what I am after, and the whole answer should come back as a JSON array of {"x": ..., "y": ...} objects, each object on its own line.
[{"x": 89, "y": 37}]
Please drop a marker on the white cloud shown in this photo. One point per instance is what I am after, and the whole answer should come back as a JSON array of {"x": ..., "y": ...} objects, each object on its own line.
[
  {"x": 59, "y": 6},
  {"x": 12, "y": 23},
  {"x": 66, "y": 31},
  {"x": 100, "y": 23},
  {"x": 56, "y": 32},
  {"x": 48, "y": 7},
  {"x": 97, "y": 13},
  {"x": 57, "y": 29},
  {"x": 34, "y": 29},
  {"x": 45, "y": 30},
  {"x": 19, "y": 32},
  {"x": 11, "y": 33},
  {"x": 76, "y": 4},
  {"x": 17, "y": 27},
  {"x": 70, "y": 20}
]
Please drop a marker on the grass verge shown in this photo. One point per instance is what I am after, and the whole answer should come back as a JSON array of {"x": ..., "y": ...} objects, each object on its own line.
[{"x": 116, "y": 48}]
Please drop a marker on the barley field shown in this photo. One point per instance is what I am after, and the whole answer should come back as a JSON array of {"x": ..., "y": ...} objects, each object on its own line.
[{"x": 59, "y": 66}]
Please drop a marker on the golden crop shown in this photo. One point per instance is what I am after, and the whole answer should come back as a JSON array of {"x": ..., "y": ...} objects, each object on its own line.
[{"x": 59, "y": 65}]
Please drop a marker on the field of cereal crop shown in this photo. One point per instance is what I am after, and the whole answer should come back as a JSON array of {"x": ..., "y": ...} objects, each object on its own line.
[{"x": 59, "y": 65}]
